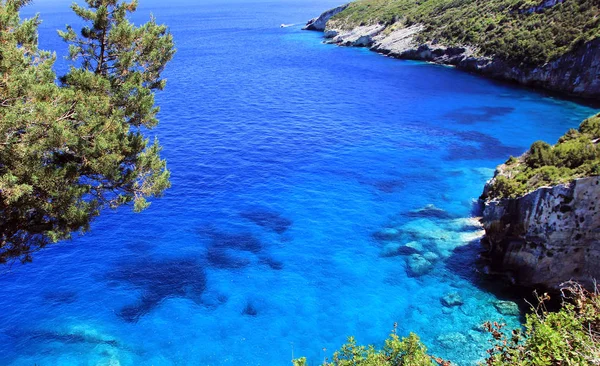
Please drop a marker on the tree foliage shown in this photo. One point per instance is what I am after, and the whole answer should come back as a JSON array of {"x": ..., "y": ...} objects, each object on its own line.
[
  {"x": 71, "y": 148},
  {"x": 576, "y": 155}
]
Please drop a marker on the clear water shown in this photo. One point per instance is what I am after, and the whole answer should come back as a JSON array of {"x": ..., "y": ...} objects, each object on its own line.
[{"x": 287, "y": 156}]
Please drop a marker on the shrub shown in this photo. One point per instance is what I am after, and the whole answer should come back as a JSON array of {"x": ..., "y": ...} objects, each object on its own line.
[
  {"x": 408, "y": 351},
  {"x": 567, "y": 337},
  {"x": 576, "y": 155},
  {"x": 539, "y": 155}
]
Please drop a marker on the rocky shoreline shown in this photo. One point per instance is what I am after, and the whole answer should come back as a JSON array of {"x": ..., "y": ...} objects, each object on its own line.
[{"x": 575, "y": 74}]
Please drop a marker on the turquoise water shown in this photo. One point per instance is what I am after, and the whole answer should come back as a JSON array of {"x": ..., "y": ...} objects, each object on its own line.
[{"x": 287, "y": 157}]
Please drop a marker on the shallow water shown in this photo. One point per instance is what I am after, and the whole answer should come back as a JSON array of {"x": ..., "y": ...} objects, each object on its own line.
[{"x": 287, "y": 156}]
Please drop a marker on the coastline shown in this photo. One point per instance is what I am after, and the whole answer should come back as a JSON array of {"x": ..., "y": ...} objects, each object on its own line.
[{"x": 574, "y": 75}]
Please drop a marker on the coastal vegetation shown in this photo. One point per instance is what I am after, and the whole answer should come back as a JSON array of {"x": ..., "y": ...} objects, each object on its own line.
[
  {"x": 520, "y": 31},
  {"x": 74, "y": 145},
  {"x": 569, "y": 336},
  {"x": 576, "y": 155}
]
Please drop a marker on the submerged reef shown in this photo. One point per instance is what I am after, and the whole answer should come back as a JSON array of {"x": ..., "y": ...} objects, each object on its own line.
[
  {"x": 158, "y": 280},
  {"x": 270, "y": 220},
  {"x": 425, "y": 237}
]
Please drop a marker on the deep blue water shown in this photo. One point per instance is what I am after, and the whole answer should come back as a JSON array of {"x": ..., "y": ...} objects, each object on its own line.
[{"x": 287, "y": 155}]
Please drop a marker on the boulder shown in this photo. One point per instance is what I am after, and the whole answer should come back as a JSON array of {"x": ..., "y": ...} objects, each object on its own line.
[
  {"x": 418, "y": 266},
  {"x": 452, "y": 340},
  {"x": 387, "y": 233},
  {"x": 509, "y": 308},
  {"x": 431, "y": 256},
  {"x": 452, "y": 299}
]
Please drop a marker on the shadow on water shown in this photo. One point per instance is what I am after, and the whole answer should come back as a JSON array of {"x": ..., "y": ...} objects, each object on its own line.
[
  {"x": 431, "y": 212},
  {"x": 478, "y": 145},
  {"x": 238, "y": 250},
  {"x": 468, "y": 116},
  {"x": 60, "y": 297},
  {"x": 269, "y": 220},
  {"x": 159, "y": 280}
]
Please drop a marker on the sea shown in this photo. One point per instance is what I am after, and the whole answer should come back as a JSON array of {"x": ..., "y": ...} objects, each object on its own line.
[{"x": 318, "y": 192}]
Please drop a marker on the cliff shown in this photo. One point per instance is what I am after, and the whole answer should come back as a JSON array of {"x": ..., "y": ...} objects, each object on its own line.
[
  {"x": 319, "y": 23},
  {"x": 553, "y": 49},
  {"x": 548, "y": 236},
  {"x": 542, "y": 212}
]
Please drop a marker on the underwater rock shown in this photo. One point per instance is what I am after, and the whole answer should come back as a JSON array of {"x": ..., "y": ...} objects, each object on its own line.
[
  {"x": 468, "y": 116},
  {"x": 391, "y": 249},
  {"x": 479, "y": 328},
  {"x": 394, "y": 249},
  {"x": 250, "y": 310},
  {"x": 508, "y": 308},
  {"x": 272, "y": 263},
  {"x": 219, "y": 258},
  {"x": 451, "y": 300},
  {"x": 75, "y": 335},
  {"x": 444, "y": 235},
  {"x": 418, "y": 266},
  {"x": 478, "y": 337},
  {"x": 452, "y": 340},
  {"x": 431, "y": 256},
  {"x": 387, "y": 186},
  {"x": 415, "y": 245},
  {"x": 60, "y": 297},
  {"x": 159, "y": 280},
  {"x": 270, "y": 220},
  {"x": 430, "y": 211},
  {"x": 213, "y": 299},
  {"x": 387, "y": 233},
  {"x": 243, "y": 242},
  {"x": 478, "y": 145}
]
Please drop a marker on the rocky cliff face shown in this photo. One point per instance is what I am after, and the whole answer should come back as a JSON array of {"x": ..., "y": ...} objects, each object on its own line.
[
  {"x": 318, "y": 24},
  {"x": 576, "y": 73},
  {"x": 548, "y": 236}
]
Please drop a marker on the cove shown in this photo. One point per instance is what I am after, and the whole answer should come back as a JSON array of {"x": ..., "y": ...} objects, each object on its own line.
[{"x": 303, "y": 178}]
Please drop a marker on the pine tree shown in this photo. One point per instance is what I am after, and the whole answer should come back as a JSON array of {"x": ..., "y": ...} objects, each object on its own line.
[{"x": 69, "y": 150}]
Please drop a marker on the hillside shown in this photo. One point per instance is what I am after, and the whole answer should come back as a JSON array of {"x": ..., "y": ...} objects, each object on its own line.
[
  {"x": 552, "y": 44},
  {"x": 526, "y": 31}
]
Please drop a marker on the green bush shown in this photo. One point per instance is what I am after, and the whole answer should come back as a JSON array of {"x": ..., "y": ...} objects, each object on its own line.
[
  {"x": 567, "y": 337},
  {"x": 409, "y": 351},
  {"x": 539, "y": 155},
  {"x": 591, "y": 126},
  {"x": 576, "y": 155}
]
